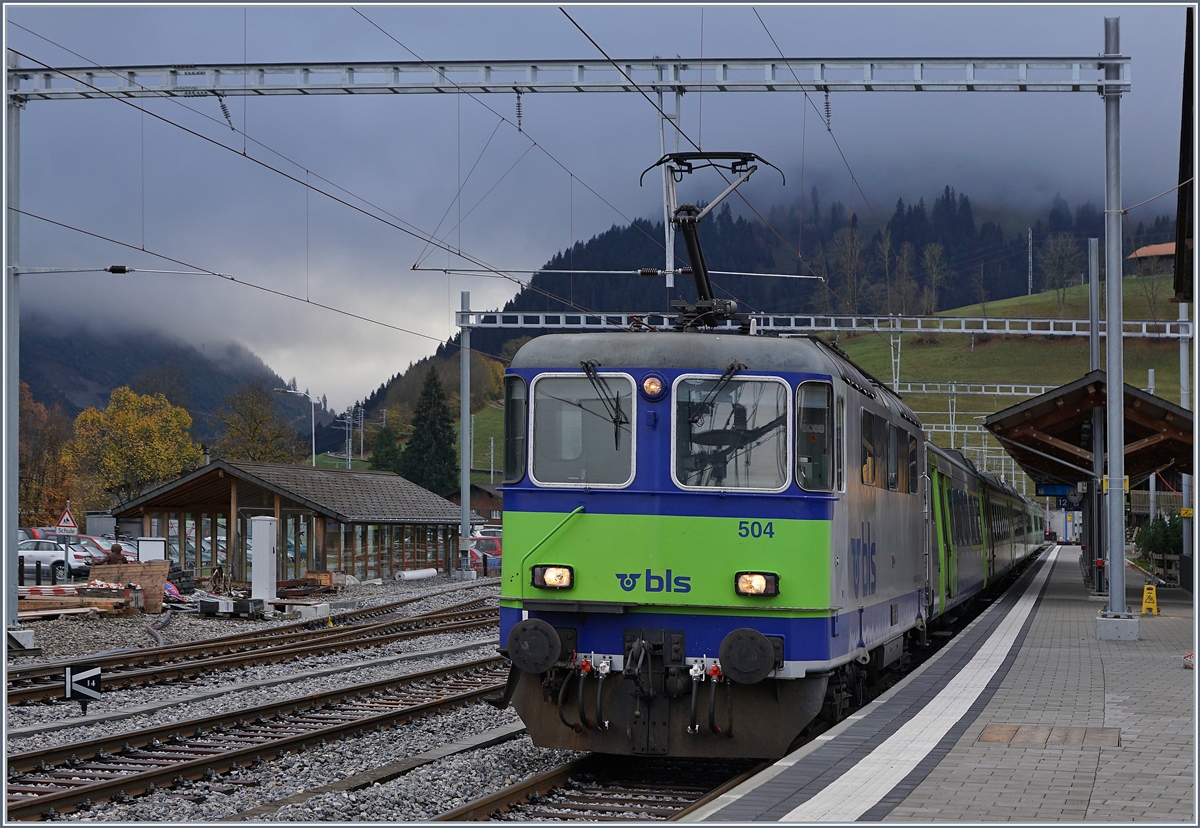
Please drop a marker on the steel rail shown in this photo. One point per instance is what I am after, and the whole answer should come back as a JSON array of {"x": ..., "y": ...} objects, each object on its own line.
[
  {"x": 239, "y": 642},
  {"x": 227, "y": 645},
  {"x": 355, "y": 638},
  {"x": 257, "y": 733},
  {"x": 605, "y": 787}
]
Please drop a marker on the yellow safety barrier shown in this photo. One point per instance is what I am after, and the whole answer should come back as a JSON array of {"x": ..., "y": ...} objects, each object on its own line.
[{"x": 1149, "y": 598}]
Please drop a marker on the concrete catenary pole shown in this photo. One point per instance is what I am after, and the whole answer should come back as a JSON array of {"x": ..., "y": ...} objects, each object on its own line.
[
  {"x": 1116, "y": 623},
  {"x": 464, "y": 394}
]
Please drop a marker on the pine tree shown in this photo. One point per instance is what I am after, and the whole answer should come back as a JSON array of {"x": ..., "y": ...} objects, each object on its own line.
[
  {"x": 429, "y": 457},
  {"x": 385, "y": 454}
]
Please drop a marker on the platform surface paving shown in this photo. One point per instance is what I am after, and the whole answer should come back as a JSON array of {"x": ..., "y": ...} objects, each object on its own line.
[{"x": 1066, "y": 727}]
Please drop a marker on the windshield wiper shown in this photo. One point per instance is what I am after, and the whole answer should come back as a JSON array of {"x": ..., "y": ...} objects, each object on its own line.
[
  {"x": 611, "y": 406},
  {"x": 700, "y": 410}
]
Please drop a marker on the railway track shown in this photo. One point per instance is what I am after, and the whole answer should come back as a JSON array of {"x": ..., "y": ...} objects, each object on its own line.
[
  {"x": 611, "y": 788},
  {"x": 55, "y": 780},
  {"x": 159, "y": 665}
]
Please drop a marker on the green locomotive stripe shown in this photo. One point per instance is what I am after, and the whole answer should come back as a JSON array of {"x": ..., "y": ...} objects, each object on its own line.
[{"x": 703, "y": 555}]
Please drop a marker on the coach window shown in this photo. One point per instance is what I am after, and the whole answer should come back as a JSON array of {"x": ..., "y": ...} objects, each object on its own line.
[
  {"x": 814, "y": 449},
  {"x": 731, "y": 433},
  {"x": 893, "y": 481},
  {"x": 581, "y": 430},
  {"x": 515, "y": 425}
]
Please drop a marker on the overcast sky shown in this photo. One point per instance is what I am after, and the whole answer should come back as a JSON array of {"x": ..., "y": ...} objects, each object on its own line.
[{"x": 104, "y": 167}]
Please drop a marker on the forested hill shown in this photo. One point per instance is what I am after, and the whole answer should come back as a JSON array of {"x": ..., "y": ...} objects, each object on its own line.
[
  {"x": 916, "y": 259},
  {"x": 76, "y": 368}
]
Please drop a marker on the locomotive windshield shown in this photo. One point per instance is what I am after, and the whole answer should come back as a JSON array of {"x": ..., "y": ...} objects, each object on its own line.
[
  {"x": 731, "y": 433},
  {"x": 577, "y": 438}
]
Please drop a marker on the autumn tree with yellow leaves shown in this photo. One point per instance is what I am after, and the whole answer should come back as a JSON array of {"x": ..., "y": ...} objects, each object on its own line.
[
  {"x": 46, "y": 477},
  {"x": 138, "y": 441}
]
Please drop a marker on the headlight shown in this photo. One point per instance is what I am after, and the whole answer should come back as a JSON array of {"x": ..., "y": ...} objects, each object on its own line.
[
  {"x": 756, "y": 583},
  {"x": 653, "y": 386},
  {"x": 553, "y": 577}
]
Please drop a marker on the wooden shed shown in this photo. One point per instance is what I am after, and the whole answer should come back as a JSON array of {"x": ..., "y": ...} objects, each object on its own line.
[{"x": 369, "y": 524}]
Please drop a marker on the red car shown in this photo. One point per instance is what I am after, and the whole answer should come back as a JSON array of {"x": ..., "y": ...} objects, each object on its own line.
[
  {"x": 99, "y": 547},
  {"x": 485, "y": 553}
]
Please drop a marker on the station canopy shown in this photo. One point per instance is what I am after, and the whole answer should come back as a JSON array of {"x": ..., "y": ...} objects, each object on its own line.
[{"x": 1049, "y": 436}]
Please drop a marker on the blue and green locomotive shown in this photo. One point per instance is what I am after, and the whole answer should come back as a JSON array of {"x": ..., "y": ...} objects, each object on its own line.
[{"x": 710, "y": 538}]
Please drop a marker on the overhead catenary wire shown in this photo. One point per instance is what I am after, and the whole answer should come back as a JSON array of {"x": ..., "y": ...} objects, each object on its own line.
[
  {"x": 678, "y": 129},
  {"x": 837, "y": 145},
  {"x": 462, "y": 185},
  {"x": 307, "y": 184},
  {"x": 199, "y": 270},
  {"x": 398, "y": 224},
  {"x": 532, "y": 140}
]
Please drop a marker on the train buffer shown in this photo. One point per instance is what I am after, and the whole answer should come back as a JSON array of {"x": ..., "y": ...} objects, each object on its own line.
[{"x": 1149, "y": 598}]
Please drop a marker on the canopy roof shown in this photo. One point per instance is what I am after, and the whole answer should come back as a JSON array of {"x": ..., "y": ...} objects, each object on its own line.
[{"x": 1050, "y": 436}]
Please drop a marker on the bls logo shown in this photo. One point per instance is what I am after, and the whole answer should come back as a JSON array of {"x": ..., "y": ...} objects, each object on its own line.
[
  {"x": 862, "y": 562},
  {"x": 656, "y": 583}
]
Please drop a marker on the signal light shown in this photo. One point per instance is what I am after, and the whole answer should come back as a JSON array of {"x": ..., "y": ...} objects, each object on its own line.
[
  {"x": 756, "y": 584},
  {"x": 553, "y": 577}
]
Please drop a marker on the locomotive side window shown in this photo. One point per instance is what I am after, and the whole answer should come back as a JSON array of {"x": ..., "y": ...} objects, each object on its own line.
[
  {"x": 581, "y": 431},
  {"x": 839, "y": 449},
  {"x": 515, "y": 425},
  {"x": 893, "y": 479},
  {"x": 868, "y": 448},
  {"x": 912, "y": 464},
  {"x": 814, "y": 452},
  {"x": 731, "y": 433}
]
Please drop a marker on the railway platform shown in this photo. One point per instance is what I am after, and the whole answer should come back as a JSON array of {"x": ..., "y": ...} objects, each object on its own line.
[{"x": 1025, "y": 716}]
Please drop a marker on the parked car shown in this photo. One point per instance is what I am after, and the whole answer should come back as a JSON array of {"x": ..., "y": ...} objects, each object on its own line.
[
  {"x": 487, "y": 532},
  {"x": 206, "y": 545},
  {"x": 489, "y": 548},
  {"x": 74, "y": 561},
  {"x": 99, "y": 546}
]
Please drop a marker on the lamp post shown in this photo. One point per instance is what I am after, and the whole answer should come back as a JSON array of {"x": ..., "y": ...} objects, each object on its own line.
[{"x": 314, "y": 417}]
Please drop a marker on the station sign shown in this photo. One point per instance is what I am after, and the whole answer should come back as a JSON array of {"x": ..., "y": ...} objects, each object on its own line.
[{"x": 1053, "y": 490}]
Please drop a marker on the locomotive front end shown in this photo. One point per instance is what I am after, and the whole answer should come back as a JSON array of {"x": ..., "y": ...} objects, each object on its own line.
[{"x": 668, "y": 583}]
